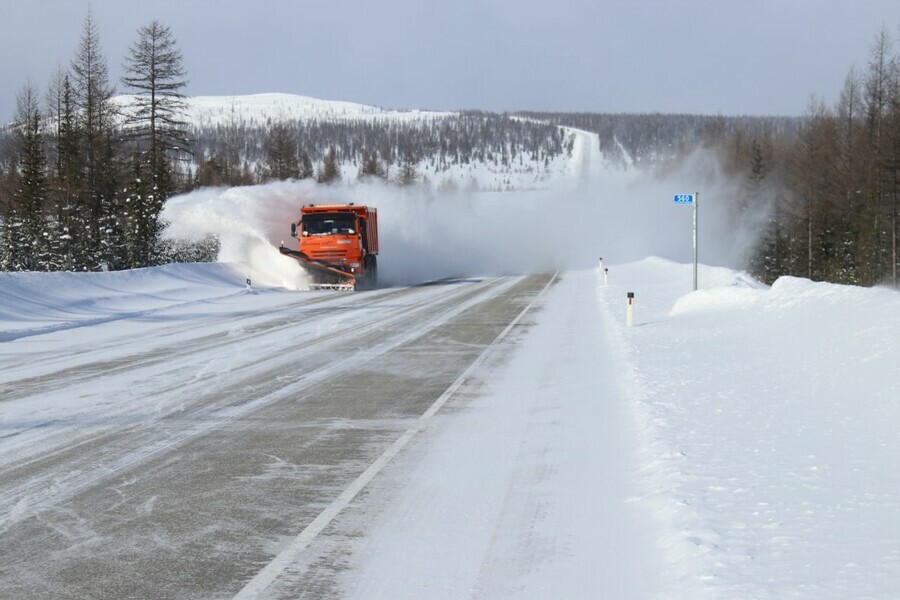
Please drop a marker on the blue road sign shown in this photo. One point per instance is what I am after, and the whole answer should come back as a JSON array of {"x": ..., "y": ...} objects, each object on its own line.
[{"x": 684, "y": 198}]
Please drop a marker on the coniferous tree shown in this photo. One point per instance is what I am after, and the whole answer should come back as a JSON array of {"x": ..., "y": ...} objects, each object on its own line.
[
  {"x": 876, "y": 102},
  {"x": 306, "y": 166},
  {"x": 280, "y": 146},
  {"x": 26, "y": 245},
  {"x": 60, "y": 116},
  {"x": 329, "y": 171},
  {"x": 71, "y": 214},
  {"x": 5, "y": 210},
  {"x": 891, "y": 168},
  {"x": 370, "y": 166},
  {"x": 408, "y": 174},
  {"x": 849, "y": 178},
  {"x": 93, "y": 94},
  {"x": 157, "y": 129},
  {"x": 210, "y": 172}
]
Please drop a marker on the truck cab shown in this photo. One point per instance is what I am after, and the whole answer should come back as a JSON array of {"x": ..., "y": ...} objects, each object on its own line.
[{"x": 338, "y": 244}]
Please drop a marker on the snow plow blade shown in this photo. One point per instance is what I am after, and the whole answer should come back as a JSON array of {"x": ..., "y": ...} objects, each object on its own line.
[{"x": 324, "y": 277}]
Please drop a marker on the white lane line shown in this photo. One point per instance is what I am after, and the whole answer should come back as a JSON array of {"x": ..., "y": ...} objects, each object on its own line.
[{"x": 291, "y": 552}]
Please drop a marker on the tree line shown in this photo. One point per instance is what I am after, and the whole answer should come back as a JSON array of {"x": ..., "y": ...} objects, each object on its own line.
[
  {"x": 649, "y": 139},
  {"x": 828, "y": 192},
  {"x": 81, "y": 188},
  {"x": 837, "y": 220}
]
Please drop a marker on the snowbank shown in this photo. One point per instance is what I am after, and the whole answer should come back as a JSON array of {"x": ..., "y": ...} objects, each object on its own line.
[
  {"x": 33, "y": 303},
  {"x": 769, "y": 430}
]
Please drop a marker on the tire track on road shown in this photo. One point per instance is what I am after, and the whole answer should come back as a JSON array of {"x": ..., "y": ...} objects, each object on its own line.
[{"x": 36, "y": 483}]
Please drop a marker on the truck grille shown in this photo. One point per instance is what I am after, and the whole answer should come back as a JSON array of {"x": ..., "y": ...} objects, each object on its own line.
[{"x": 327, "y": 254}]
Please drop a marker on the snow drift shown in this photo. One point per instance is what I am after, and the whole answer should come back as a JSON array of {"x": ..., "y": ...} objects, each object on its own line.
[{"x": 768, "y": 430}]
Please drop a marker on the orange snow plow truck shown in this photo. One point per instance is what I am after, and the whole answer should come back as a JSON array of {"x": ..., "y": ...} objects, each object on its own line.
[{"x": 338, "y": 245}]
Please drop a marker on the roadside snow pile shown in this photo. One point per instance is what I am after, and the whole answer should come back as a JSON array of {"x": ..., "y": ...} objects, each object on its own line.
[
  {"x": 32, "y": 303},
  {"x": 770, "y": 426}
]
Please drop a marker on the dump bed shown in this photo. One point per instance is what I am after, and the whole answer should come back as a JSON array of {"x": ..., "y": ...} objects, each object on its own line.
[{"x": 372, "y": 231}]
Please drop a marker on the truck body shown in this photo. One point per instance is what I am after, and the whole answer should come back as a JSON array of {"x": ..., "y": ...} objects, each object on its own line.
[{"x": 337, "y": 245}]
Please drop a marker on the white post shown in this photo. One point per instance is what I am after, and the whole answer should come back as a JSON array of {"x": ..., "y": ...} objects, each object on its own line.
[
  {"x": 629, "y": 313},
  {"x": 605, "y": 276},
  {"x": 600, "y": 263},
  {"x": 248, "y": 282},
  {"x": 696, "y": 203}
]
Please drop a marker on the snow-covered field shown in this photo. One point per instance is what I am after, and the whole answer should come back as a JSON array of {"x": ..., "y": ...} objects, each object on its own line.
[{"x": 768, "y": 422}]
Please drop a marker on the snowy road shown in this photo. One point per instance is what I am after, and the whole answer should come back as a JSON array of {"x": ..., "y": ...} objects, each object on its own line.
[
  {"x": 168, "y": 433},
  {"x": 175, "y": 452}
]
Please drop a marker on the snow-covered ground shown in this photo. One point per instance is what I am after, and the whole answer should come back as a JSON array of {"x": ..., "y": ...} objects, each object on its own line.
[
  {"x": 34, "y": 303},
  {"x": 768, "y": 421},
  {"x": 737, "y": 442},
  {"x": 257, "y": 109}
]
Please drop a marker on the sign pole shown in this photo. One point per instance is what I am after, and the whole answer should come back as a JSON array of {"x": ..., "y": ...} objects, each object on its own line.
[
  {"x": 696, "y": 204},
  {"x": 694, "y": 200}
]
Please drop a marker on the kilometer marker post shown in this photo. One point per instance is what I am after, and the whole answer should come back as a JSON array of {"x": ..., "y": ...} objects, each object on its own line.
[
  {"x": 693, "y": 199},
  {"x": 696, "y": 208}
]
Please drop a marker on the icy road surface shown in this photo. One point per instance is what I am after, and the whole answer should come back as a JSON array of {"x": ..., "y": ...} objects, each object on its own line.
[{"x": 179, "y": 446}]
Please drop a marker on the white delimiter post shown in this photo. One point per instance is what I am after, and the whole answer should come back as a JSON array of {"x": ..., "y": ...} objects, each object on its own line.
[
  {"x": 629, "y": 312},
  {"x": 696, "y": 203},
  {"x": 605, "y": 276},
  {"x": 600, "y": 263}
]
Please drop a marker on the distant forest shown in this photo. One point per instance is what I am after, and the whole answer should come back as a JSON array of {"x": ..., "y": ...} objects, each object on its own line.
[
  {"x": 82, "y": 186},
  {"x": 246, "y": 152},
  {"x": 649, "y": 139}
]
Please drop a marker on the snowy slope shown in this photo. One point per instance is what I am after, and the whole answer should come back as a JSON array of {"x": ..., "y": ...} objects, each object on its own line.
[
  {"x": 259, "y": 109},
  {"x": 33, "y": 303}
]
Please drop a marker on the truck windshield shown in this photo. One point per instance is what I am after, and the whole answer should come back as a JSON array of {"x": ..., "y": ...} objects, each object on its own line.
[{"x": 328, "y": 224}]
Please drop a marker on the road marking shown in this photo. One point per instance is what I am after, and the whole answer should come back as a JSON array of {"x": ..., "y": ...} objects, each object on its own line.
[{"x": 264, "y": 578}]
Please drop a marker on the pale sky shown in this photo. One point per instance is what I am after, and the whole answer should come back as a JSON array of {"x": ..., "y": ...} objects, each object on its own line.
[{"x": 698, "y": 56}]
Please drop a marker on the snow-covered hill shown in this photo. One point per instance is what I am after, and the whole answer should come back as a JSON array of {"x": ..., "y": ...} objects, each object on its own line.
[
  {"x": 509, "y": 166},
  {"x": 260, "y": 109}
]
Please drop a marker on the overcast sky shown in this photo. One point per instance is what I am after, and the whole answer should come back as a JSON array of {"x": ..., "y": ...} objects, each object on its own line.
[{"x": 697, "y": 56}]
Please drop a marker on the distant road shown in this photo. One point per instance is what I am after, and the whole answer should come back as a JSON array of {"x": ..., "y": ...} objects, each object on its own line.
[{"x": 178, "y": 456}]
